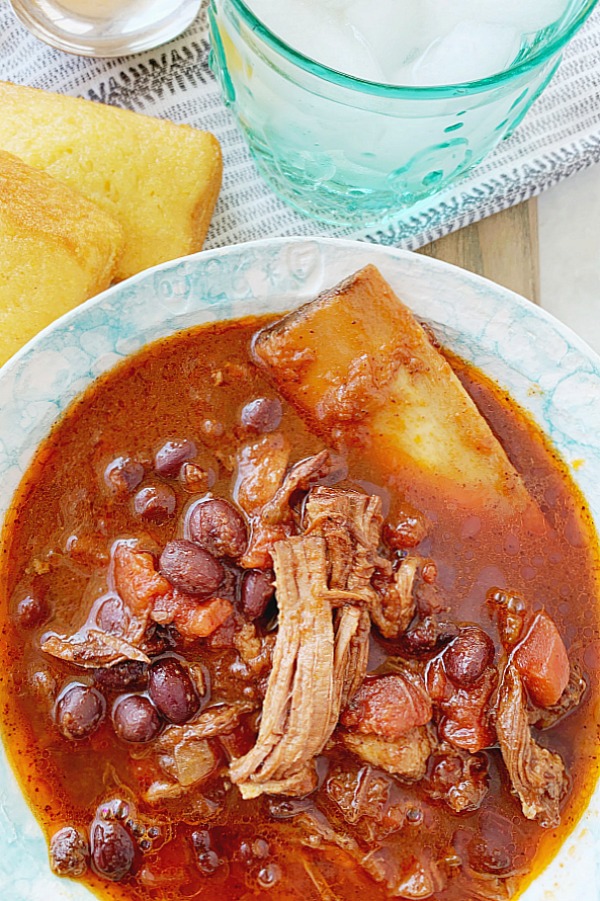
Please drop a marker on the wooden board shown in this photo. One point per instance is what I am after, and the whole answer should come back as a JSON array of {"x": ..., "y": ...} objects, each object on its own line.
[{"x": 503, "y": 248}]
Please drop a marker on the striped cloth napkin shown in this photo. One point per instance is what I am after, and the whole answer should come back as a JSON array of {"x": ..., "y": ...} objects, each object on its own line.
[{"x": 559, "y": 137}]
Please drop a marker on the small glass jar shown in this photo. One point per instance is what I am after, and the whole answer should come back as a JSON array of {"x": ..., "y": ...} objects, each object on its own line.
[
  {"x": 104, "y": 28},
  {"x": 353, "y": 152}
]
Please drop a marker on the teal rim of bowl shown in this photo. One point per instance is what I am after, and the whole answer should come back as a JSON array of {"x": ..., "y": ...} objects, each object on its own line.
[{"x": 420, "y": 92}]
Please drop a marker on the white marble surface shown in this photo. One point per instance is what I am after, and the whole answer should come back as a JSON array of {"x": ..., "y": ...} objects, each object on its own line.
[{"x": 569, "y": 229}]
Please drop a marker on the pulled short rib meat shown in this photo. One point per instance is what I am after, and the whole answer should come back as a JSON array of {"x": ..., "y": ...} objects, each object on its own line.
[
  {"x": 184, "y": 752},
  {"x": 298, "y": 478},
  {"x": 265, "y": 493},
  {"x": 394, "y": 604},
  {"x": 458, "y": 778},
  {"x": 92, "y": 648},
  {"x": 261, "y": 467},
  {"x": 359, "y": 794},
  {"x": 416, "y": 879},
  {"x": 537, "y": 775},
  {"x": 406, "y": 757},
  {"x": 322, "y": 582}
]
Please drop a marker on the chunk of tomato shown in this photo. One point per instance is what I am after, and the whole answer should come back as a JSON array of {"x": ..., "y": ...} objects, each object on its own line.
[{"x": 542, "y": 661}]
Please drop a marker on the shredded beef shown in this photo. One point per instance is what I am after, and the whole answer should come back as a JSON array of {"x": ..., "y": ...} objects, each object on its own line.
[
  {"x": 185, "y": 753},
  {"x": 458, "y": 778},
  {"x": 537, "y": 775},
  {"x": 394, "y": 606},
  {"x": 406, "y": 757},
  {"x": 322, "y": 586},
  {"x": 91, "y": 648},
  {"x": 361, "y": 794}
]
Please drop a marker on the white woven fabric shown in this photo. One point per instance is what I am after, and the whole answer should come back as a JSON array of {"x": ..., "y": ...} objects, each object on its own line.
[{"x": 559, "y": 136}]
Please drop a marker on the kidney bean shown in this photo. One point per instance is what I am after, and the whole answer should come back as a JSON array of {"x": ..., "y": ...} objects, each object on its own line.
[
  {"x": 113, "y": 850},
  {"x": 155, "y": 503},
  {"x": 217, "y": 526},
  {"x": 33, "y": 611},
  {"x": 257, "y": 591},
  {"x": 468, "y": 656},
  {"x": 69, "y": 852},
  {"x": 170, "y": 457},
  {"x": 262, "y": 414},
  {"x": 191, "y": 568},
  {"x": 79, "y": 711},
  {"x": 172, "y": 690},
  {"x": 123, "y": 475},
  {"x": 128, "y": 675},
  {"x": 135, "y": 719}
]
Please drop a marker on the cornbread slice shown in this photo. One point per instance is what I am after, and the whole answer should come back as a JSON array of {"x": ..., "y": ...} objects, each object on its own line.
[
  {"x": 362, "y": 370},
  {"x": 56, "y": 250},
  {"x": 158, "y": 179}
]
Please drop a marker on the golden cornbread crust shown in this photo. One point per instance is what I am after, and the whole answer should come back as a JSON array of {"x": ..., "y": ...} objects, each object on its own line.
[
  {"x": 158, "y": 179},
  {"x": 57, "y": 249}
]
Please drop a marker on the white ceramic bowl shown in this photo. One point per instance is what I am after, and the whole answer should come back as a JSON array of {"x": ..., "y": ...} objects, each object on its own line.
[{"x": 546, "y": 368}]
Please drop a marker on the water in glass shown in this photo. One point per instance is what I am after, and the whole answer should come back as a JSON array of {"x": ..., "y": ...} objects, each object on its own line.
[{"x": 429, "y": 42}]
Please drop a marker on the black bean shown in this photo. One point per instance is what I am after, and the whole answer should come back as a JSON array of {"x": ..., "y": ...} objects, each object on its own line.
[
  {"x": 128, "y": 675},
  {"x": 155, "y": 503},
  {"x": 32, "y": 612},
  {"x": 172, "y": 690},
  {"x": 135, "y": 719},
  {"x": 406, "y": 529},
  {"x": 498, "y": 847},
  {"x": 112, "y": 617},
  {"x": 69, "y": 852},
  {"x": 191, "y": 568},
  {"x": 468, "y": 656},
  {"x": 113, "y": 850},
  {"x": 206, "y": 857},
  {"x": 257, "y": 591},
  {"x": 44, "y": 685},
  {"x": 79, "y": 711},
  {"x": 262, "y": 414},
  {"x": 201, "y": 840},
  {"x": 428, "y": 635},
  {"x": 123, "y": 475},
  {"x": 168, "y": 460},
  {"x": 217, "y": 526}
]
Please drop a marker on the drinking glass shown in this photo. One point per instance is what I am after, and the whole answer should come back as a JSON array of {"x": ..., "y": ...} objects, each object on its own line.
[
  {"x": 106, "y": 27},
  {"x": 353, "y": 152}
]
